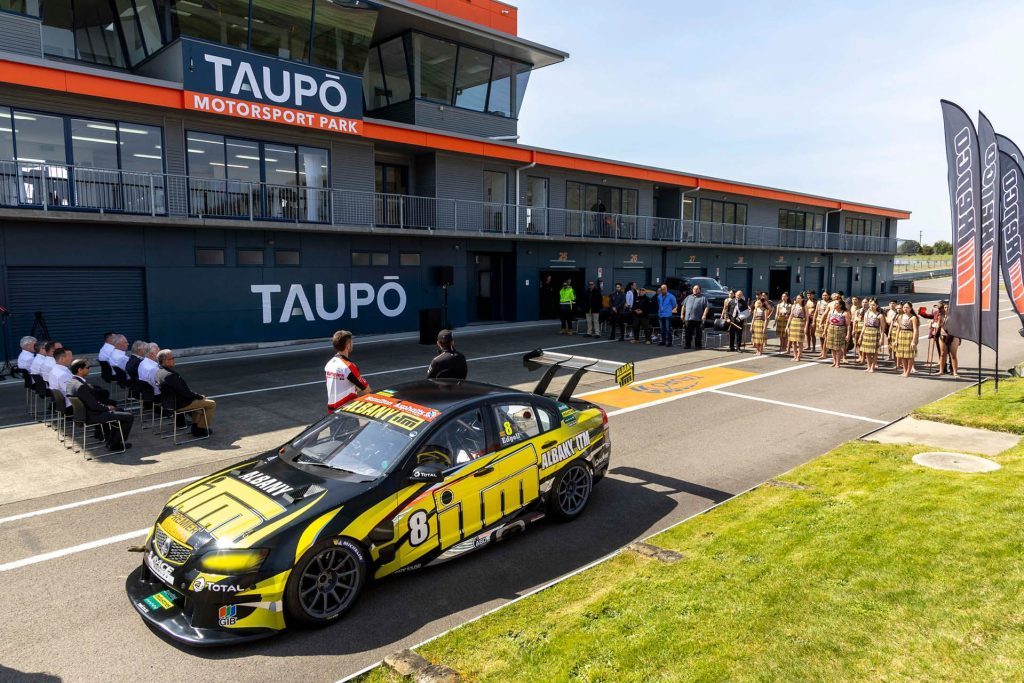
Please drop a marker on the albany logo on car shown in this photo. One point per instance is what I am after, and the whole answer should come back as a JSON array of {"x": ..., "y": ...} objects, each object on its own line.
[{"x": 565, "y": 450}]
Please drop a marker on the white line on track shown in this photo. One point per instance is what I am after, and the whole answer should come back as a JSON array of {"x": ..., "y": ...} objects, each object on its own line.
[
  {"x": 801, "y": 407},
  {"x": 408, "y": 369},
  {"x": 90, "y": 501},
  {"x": 17, "y": 564}
]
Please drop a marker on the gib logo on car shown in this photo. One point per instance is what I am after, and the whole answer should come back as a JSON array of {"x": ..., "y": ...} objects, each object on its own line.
[
  {"x": 227, "y": 615},
  {"x": 331, "y": 302},
  {"x": 221, "y": 80}
]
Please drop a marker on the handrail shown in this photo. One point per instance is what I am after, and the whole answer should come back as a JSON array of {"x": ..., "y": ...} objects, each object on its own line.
[{"x": 63, "y": 186}]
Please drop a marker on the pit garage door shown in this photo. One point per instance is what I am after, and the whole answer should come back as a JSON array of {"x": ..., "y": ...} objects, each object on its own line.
[{"x": 78, "y": 304}]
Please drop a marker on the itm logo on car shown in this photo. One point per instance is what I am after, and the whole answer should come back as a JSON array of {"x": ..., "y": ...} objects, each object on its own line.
[{"x": 565, "y": 450}]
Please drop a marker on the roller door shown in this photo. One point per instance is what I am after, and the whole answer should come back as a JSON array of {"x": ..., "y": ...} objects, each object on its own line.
[{"x": 78, "y": 304}]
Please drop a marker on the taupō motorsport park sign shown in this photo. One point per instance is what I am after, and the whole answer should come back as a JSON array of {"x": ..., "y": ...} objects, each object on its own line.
[{"x": 229, "y": 82}]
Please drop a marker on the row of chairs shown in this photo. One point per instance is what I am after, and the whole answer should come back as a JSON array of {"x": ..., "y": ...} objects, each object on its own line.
[{"x": 47, "y": 406}]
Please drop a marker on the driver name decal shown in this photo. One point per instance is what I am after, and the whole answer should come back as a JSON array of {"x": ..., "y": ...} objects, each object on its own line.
[
  {"x": 565, "y": 450},
  {"x": 265, "y": 483},
  {"x": 402, "y": 414}
]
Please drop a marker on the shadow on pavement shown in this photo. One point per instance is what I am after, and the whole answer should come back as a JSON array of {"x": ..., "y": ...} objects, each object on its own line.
[{"x": 15, "y": 676}]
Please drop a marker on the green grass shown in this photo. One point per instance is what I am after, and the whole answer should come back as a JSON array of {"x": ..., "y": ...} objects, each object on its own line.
[
  {"x": 1002, "y": 412},
  {"x": 878, "y": 570}
]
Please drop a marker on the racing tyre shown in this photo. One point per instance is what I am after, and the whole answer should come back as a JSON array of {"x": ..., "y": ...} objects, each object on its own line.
[
  {"x": 570, "y": 492},
  {"x": 325, "y": 582}
]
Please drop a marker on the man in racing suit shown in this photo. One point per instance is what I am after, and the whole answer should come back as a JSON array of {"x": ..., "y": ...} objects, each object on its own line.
[{"x": 344, "y": 382}]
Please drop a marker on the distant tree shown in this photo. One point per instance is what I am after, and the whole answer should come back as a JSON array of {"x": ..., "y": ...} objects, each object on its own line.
[
  {"x": 927, "y": 250},
  {"x": 943, "y": 247},
  {"x": 908, "y": 247}
]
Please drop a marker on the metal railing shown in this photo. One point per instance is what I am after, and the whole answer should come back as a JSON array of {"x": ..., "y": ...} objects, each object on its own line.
[{"x": 60, "y": 186}]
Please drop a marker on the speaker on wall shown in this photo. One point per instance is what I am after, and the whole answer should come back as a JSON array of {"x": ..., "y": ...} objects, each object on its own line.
[{"x": 444, "y": 276}]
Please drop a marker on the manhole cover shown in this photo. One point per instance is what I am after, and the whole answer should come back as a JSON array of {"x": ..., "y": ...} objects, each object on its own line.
[{"x": 955, "y": 462}]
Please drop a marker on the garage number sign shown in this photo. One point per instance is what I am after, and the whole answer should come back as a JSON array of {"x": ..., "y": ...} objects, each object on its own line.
[{"x": 229, "y": 82}]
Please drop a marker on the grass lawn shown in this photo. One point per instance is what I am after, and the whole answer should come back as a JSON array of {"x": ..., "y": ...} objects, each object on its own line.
[
  {"x": 873, "y": 569},
  {"x": 1002, "y": 412}
]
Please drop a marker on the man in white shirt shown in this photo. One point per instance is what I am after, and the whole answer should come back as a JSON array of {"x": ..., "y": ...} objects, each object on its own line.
[
  {"x": 61, "y": 374},
  {"x": 28, "y": 353},
  {"x": 118, "y": 357},
  {"x": 107, "y": 348},
  {"x": 148, "y": 367},
  {"x": 344, "y": 382},
  {"x": 43, "y": 349}
]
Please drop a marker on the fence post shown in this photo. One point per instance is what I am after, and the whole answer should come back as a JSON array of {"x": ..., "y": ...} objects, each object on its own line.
[
  {"x": 45, "y": 189},
  {"x": 152, "y": 197},
  {"x": 249, "y": 195}
]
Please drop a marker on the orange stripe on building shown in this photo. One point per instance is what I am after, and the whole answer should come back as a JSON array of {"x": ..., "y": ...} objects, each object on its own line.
[{"x": 52, "y": 78}]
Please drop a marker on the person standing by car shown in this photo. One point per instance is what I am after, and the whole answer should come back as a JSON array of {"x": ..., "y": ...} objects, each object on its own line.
[
  {"x": 839, "y": 330},
  {"x": 344, "y": 382},
  {"x": 617, "y": 302},
  {"x": 594, "y": 304},
  {"x": 782, "y": 312},
  {"x": 667, "y": 306},
  {"x": 449, "y": 364},
  {"x": 566, "y": 301},
  {"x": 693, "y": 313}
]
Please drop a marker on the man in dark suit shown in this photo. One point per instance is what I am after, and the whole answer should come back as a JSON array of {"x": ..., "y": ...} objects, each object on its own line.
[
  {"x": 449, "y": 364},
  {"x": 736, "y": 313},
  {"x": 173, "y": 384},
  {"x": 131, "y": 368},
  {"x": 97, "y": 412}
]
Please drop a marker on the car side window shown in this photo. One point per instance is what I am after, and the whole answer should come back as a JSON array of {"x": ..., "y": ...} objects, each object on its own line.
[
  {"x": 516, "y": 422},
  {"x": 548, "y": 419},
  {"x": 459, "y": 441}
]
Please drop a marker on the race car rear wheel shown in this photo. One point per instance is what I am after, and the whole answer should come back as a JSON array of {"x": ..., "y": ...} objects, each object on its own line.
[
  {"x": 326, "y": 582},
  {"x": 570, "y": 492}
]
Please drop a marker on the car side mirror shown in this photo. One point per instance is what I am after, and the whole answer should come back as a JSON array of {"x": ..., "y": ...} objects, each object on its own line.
[{"x": 429, "y": 472}]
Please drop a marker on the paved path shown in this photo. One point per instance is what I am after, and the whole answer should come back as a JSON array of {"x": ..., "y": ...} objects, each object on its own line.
[{"x": 697, "y": 429}]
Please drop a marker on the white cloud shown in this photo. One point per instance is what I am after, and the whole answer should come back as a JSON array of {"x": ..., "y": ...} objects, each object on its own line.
[{"x": 831, "y": 99}]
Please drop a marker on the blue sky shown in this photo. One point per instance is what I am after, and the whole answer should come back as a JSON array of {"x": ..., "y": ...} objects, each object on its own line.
[{"x": 836, "y": 99}]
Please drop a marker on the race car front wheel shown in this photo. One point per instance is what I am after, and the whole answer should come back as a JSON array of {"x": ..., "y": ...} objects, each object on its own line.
[
  {"x": 570, "y": 492},
  {"x": 326, "y": 582}
]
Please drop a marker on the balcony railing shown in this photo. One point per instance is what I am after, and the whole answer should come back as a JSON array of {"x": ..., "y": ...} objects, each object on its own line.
[{"x": 59, "y": 186}]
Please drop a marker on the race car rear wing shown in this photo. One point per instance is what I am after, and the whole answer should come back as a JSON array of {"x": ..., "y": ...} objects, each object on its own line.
[{"x": 581, "y": 364}]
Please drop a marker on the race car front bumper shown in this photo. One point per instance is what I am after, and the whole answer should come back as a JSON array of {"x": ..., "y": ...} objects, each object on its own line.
[{"x": 170, "y": 612}]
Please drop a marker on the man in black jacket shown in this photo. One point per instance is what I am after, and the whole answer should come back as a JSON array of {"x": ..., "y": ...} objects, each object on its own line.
[
  {"x": 96, "y": 412},
  {"x": 619, "y": 313},
  {"x": 736, "y": 314},
  {"x": 173, "y": 384},
  {"x": 131, "y": 368},
  {"x": 449, "y": 364}
]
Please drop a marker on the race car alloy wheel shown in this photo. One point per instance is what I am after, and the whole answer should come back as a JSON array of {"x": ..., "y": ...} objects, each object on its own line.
[
  {"x": 570, "y": 492},
  {"x": 326, "y": 582}
]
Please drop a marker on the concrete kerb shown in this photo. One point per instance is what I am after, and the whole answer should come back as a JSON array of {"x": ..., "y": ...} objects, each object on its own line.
[{"x": 408, "y": 663}]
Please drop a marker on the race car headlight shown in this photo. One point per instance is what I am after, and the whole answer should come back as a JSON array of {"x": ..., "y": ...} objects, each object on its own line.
[{"x": 227, "y": 562}]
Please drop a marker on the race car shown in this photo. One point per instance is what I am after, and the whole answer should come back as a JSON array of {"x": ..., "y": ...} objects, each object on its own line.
[{"x": 396, "y": 480}]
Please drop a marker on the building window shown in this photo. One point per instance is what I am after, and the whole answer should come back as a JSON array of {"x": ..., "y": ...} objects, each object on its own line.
[
  {"x": 508, "y": 87},
  {"x": 250, "y": 257},
  {"x": 342, "y": 35},
  {"x": 280, "y": 28},
  {"x": 29, "y": 7},
  {"x": 801, "y": 220},
  {"x": 272, "y": 181},
  {"x": 6, "y": 134},
  {"x": 360, "y": 258},
  {"x": 396, "y": 71},
  {"x": 286, "y": 257},
  {"x": 225, "y": 22},
  {"x": 863, "y": 226},
  {"x": 409, "y": 259},
  {"x": 600, "y": 199},
  {"x": 433, "y": 66},
  {"x": 712, "y": 211},
  {"x": 472, "y": 79},
  {"x": 209, "y": 257},
  {"x": 380, "y": 258},
  {"x": 368, "y": 258}
]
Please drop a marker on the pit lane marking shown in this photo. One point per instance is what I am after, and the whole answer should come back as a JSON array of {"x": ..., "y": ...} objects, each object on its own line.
[
  {"x": 677, "y": 384},
  {"x": 54, "y": 554},
  {"x": 801, "y": 407}
]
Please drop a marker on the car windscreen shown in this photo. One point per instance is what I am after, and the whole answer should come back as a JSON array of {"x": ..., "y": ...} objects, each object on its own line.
[
  {"x": 704, "y": 282},
  {"x": 353, "y": 443}
]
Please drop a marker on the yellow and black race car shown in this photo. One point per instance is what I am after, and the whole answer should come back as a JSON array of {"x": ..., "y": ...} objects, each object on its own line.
[{"x": 396, "y": 480}]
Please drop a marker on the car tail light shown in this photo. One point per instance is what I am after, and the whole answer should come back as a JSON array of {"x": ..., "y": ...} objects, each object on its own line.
[{"x": 604, "y": 417}]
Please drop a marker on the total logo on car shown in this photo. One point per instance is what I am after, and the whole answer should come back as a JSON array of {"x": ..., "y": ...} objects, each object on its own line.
[{"x": 399, "y": 479}]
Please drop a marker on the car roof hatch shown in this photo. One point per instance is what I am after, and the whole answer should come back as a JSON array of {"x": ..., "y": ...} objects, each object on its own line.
[{"x": 623, "y": 372}]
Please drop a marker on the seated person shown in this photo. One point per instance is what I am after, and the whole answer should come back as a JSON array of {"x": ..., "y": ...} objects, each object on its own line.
[
  {"x": 98, "y": 412},
  {"x": 131, "y": 366},
  {"x": 149, "y": 367},
  {"x": 118, "y": 357},
  {"x": 27, "y": 355},
  {"x": 60, "y": 375},
  {"x": 170, "y": 382},
  {"x": 107, "y": 348}
]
